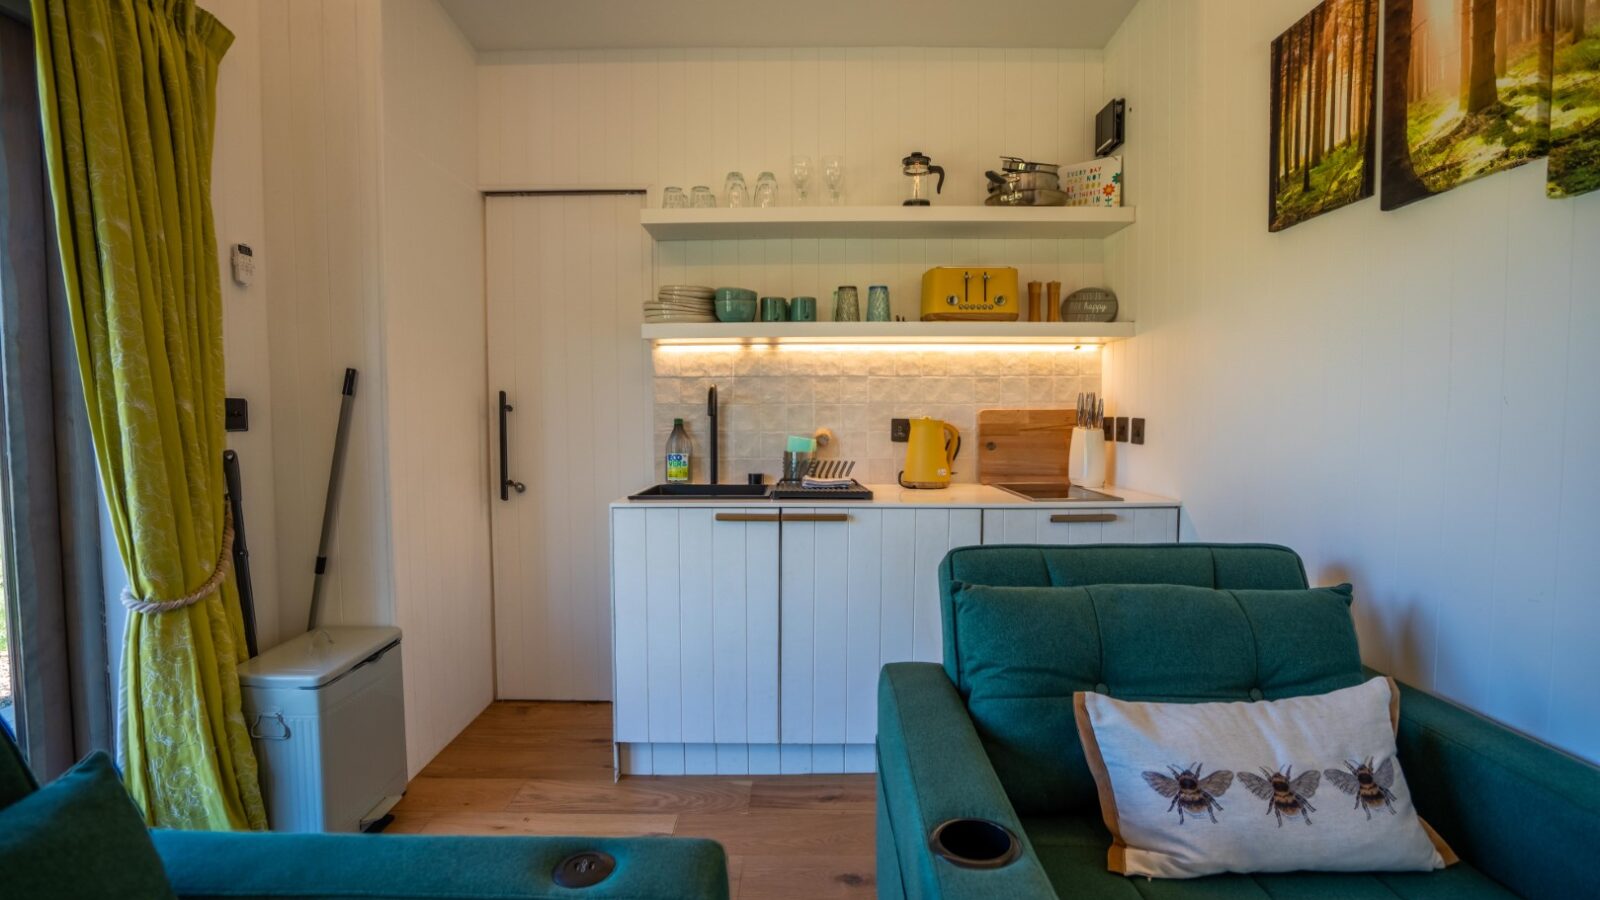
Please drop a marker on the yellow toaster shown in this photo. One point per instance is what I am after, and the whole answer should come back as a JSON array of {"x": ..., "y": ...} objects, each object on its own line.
[{"x": 973, "y": 293}]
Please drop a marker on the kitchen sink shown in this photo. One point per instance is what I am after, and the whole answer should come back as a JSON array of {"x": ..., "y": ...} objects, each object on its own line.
[
  {"x": 1057, "y": 491},
  {"x": 679, "y": 490}
]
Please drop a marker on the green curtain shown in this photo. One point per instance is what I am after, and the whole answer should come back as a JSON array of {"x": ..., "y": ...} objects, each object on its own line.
[{"x": 128, "y": 97}]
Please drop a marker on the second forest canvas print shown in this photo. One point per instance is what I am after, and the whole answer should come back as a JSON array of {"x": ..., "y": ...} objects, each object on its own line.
[
  {"x": 1324, "y": 93},
  {"x": 1466, "y": 91},
  {"x": 1575, "y": 100}
]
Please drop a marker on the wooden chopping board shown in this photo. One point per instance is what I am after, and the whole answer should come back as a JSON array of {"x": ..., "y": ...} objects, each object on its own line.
[{"x": 1023, "y": 444}]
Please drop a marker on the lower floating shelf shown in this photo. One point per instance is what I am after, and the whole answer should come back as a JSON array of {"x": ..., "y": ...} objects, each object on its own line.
[{"x": 762, "y": 333}]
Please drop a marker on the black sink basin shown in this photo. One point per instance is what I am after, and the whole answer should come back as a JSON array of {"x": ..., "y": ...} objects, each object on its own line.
[{"x": 704, "y": 492}]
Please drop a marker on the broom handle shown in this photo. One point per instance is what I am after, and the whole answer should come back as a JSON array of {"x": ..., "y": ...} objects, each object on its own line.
[{"x": 330, "y": 506}]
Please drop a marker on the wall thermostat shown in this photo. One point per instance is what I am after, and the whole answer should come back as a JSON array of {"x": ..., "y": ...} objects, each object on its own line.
[{"x": 244, "y": 264}]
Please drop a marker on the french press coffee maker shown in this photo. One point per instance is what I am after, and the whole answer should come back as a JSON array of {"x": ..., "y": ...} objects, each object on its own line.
[{"x": 918, "y": 168}]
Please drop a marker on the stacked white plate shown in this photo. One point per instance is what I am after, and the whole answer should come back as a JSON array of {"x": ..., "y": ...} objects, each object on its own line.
[{"x": 681, "y": 303}]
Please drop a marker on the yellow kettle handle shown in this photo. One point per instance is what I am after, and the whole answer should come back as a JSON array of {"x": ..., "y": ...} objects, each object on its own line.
[{"x": 952, "y": 441}]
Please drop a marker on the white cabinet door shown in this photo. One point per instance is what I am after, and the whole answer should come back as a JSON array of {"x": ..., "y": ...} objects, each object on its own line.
[
  {"x": 1140, "y": 525},
  {"x": 695, "y": 606},
  {"x": 859, "y": 589}
]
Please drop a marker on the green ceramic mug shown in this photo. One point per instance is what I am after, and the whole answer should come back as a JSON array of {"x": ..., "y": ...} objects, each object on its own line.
[
  {"x": 774, "y": 309},
  {"x": 803, "y": 309}
]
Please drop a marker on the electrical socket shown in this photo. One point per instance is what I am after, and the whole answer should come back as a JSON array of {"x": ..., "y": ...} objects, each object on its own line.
[
  {"x": 1122, "y": 429},
  {"x": 1109, "y": 426},
  {"x": 900, "y": 430},
  {"x": 1138, "y": 431}
]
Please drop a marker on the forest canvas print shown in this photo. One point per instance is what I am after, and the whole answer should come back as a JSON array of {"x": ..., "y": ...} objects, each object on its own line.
[
  {"x": 1575, "y": 99},
  {"x": 1466, "y": 91},
  {"x": 1324, "y": 94}
]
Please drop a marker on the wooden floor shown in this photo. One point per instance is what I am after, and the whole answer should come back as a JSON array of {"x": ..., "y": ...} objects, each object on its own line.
[{"x": 545, "y": 768}]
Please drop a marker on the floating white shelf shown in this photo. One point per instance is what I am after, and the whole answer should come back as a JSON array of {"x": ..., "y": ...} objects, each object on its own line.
[
  {"x": 886, "y": 222},
  {"x": 761, "y": 333}
]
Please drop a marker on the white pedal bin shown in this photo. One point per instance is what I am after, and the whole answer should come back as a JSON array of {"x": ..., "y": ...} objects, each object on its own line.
[{"x": 326, "y": 714}]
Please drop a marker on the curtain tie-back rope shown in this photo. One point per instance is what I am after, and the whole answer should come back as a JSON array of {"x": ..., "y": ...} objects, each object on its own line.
[{"x": 218, "y": 573}]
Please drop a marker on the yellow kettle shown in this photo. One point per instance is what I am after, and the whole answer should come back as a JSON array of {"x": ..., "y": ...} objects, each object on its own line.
[{"x": 932, "y": 448}]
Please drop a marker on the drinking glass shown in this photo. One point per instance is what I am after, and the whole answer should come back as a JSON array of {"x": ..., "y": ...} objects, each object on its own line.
[
  {"x": 846, "y": 304},
  {"x": 801, "y": 172},
  {"x": 702, "y": 198},
  {"x": 833, "y": 174},
  {"x": 878, "y": 303},
  {"x": 766, "y": 190},
  {"x": 734, "y": 191},
  {"x": 674, "y": 198}
]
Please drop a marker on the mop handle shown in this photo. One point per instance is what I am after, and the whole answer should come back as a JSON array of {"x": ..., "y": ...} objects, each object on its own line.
[{"x": 330, "y": 507}]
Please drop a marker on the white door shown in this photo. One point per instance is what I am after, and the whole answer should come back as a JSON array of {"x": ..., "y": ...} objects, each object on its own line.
[{"x": 566, "y": 279}]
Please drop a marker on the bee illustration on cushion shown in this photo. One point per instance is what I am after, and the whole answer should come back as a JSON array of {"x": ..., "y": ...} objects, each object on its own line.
[
  {"x": 1190, "y": 792},
  {"x": 1369, "y": 786},
  {"x": 1286, "y": 796}
]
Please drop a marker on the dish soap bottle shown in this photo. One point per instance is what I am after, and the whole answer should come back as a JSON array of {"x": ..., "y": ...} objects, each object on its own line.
[{"x": 678, "y": 450}]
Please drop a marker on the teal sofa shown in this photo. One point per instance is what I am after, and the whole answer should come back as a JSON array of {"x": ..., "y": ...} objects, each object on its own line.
[
  {"x": 239, "y": 865},
  {"x": 989, "y": 735}
]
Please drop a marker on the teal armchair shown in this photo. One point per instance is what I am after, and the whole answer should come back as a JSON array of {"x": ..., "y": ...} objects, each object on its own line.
[
  {"x": 259, "y": 866},
  {"x": 1524, "y": 818}
]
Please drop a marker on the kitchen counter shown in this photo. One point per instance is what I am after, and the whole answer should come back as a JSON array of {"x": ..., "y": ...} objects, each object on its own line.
[{"x": 956, "y": 496}]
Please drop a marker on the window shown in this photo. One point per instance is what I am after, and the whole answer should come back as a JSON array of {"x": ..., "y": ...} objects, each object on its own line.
[{"x": 54, "y": 689}]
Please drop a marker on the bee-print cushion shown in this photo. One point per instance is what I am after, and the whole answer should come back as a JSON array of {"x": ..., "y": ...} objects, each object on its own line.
[{"x": 1300, "y": 784}]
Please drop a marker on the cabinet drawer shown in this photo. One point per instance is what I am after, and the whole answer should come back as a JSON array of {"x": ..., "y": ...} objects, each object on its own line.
[{"x": 1100, "y": 525}]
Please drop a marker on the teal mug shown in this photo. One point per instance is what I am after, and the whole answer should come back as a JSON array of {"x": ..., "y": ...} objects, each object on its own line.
[
  {"x": 846, "y": 304},
  {"x": 878, "y": 303},
  {"x": 774, "y": 309},
  {"x": 803, "y": 309}
]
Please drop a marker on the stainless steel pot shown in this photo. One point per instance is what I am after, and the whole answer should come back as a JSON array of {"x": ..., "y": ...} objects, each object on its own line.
[
  {"x": 1022, "y": 181},
  {"x": 1039, "y": 197}
]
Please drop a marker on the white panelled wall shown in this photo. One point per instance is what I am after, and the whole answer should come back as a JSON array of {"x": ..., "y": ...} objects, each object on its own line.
[
  {"x": 438, "y": 438},
  {"x": 239, "y": 206},
  {"x": 321, "y": 260},
  {"x": 652, "y": 118},
  {"x": 374, "y": 259},
  {"x": 1410, "y": 399}
]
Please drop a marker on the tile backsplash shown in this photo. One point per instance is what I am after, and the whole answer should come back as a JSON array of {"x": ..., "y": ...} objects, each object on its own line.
[{"x": 769, "y": 393}]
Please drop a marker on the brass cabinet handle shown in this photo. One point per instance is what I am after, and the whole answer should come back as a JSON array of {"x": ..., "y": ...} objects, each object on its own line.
[
  {"x": 1084, "y": 517},
  {"x": 816, "y": 517},
  {"x": 747, "y": 517}
]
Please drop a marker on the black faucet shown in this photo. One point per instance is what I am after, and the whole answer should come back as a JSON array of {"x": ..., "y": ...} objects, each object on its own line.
[{"x": 711, "y": 411}]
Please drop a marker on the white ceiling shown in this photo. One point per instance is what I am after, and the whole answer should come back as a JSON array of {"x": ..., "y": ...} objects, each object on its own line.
[{"x": 502, "y": 25}]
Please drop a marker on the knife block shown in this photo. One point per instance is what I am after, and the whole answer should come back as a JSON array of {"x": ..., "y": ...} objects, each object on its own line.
[{"x": 1086, "y": 457}]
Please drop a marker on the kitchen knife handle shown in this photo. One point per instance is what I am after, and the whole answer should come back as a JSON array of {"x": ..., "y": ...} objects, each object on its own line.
[
  {"x": 1072, "y": 518},
  {"x": 816, "y": 517},
  {"x": 747, "y": 517}
]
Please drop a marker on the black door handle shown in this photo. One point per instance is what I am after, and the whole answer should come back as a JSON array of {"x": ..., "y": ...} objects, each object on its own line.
[{"x": 507, "y": 485}]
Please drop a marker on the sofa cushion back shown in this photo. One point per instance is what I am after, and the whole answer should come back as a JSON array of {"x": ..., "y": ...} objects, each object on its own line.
[
  {"x": 1018, "y": 652},
  {"x": 1226, "y": 566},
  {"x": 16, "y": 781}
]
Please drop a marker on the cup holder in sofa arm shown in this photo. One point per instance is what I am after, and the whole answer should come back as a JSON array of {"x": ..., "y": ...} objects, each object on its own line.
[
  {"x": 586, "y": 869},
  {"x": 975, "y": 843}
]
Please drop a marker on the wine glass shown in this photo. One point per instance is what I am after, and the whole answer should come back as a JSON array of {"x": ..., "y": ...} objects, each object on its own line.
[
  {"x": 833, "y": 174},
  {"x": 801, "y": 173}
]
